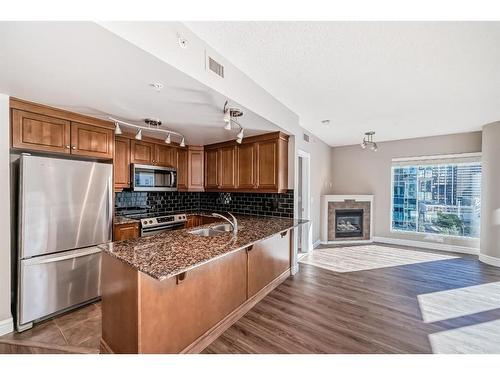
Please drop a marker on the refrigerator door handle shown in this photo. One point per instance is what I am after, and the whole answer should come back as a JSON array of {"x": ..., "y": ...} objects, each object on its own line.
[{"x": 52, "y": 259}]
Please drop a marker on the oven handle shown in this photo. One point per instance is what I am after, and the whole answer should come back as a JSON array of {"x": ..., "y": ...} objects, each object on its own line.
[{"x": 162, "y": 228}]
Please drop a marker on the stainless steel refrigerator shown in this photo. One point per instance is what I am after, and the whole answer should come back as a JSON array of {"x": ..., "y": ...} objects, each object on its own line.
[{"x": 64, "y": 212}]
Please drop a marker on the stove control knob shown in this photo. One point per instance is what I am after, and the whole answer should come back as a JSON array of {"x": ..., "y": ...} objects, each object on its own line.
[{"x": 150, "y": 221}]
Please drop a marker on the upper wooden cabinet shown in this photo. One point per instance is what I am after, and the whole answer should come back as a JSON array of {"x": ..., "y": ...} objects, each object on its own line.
[
  {"x": 36, "y": 127},
  {"x": 121, "y": 163},
  {"x": 165, "y": 156},
  {"x": 88, "y": 140},
  {"x": 182, "y": 169},
  {"x": 142, "y": 152},
  {"x": 258, "y": 164},
  {"x": 196, "y": 158}
]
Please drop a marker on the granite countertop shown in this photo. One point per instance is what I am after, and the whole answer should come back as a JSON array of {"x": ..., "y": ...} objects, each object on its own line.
[
  {"x": 124, "y": 220},
  {"x": 170, "y": 253}
]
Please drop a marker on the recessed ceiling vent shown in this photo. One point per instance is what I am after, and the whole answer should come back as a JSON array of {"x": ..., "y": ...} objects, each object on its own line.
[
  {"x": 306, "y": 137},
  {"x": 215, "y": 67}
]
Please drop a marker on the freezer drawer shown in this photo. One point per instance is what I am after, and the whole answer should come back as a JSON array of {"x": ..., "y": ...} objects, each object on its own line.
[{"x": 52, "y": 283}]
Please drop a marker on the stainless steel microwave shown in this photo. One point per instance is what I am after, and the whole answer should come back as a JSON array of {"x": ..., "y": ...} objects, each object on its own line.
[{"x": 153, "y": 178}]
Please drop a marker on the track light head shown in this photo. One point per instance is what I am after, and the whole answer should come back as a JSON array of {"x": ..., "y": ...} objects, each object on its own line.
[
  {"x": 228, "y": 125},
  {"x": 138, "y": 135},
  {"x": 240, "y": 134},
  {"x": 182, "y": 144},
  {"x": 118, "y": 130},
  {"x": 168, "y": 140},
  {"x": 239, "y": 140}
]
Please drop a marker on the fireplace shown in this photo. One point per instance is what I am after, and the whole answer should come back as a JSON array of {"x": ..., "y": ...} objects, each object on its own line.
[{"x": 348, "y": 223}]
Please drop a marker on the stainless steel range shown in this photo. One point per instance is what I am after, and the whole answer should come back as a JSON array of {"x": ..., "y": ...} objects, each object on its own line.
[{"x": 151, "y": 225}]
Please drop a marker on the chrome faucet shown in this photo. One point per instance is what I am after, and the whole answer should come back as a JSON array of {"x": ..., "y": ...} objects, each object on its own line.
[{"x": 233, "y": 223}]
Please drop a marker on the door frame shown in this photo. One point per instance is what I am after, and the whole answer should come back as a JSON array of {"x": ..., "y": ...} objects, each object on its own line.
[{"x": 306, "y": 157}]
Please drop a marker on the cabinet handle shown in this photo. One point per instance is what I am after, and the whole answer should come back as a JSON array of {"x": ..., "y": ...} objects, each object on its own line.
[
  {"x": 283, "y": 234},
  {"x": 249, "y": 248},
  {"x": 67, "y": 146},
  {"x": 73, "y": 147}
]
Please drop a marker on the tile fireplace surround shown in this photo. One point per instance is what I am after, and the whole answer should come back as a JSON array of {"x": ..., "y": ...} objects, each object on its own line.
[{"x": 331, "y": 203}]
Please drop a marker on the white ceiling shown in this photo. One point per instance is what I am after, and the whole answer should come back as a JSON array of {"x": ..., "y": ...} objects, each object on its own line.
[
  {"x": 82, "y": 67},
  {"x": 400, "y": 79}
]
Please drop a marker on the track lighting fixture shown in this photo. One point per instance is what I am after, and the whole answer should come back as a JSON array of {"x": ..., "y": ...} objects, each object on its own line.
[
  {"x": 152, "y": 126},
  {"x": 368, "y": 141},
  {"x": 182, "y": 144},
  {"x": 138, "y": 135},
  {"x": 240, "y": 134},
  {"x": 238, "y": 140},
  {"x": 228, "y": 125}
]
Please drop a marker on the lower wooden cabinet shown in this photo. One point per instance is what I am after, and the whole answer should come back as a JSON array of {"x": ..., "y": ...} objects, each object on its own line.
[
  {"x": 129, "y": 231},
  {"x": 267, "y": 260}
]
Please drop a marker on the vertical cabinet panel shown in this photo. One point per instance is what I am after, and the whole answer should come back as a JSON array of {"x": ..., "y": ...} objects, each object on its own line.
[
  {"x": 32, "y": 131},
  {"x": 121, "y": 163},
  {"x": 88, "y": 140},
  {"x": 142, "y": 152},
  {"x": 227, "y": 167},
  {"x": 267, "y": 167},
  {"x": 123, "y": 232},
  {"x": 267, "y": 260},
  {"x": 246, "y": 163},
  {"x": 212, "y": 169},
  {"x": 196, "y": 169}
]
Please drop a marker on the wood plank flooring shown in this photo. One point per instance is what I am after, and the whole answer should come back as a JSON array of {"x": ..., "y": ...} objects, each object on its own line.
[
  {"x": 375, "y": 309},
  {"x": 342, "y": 300}
]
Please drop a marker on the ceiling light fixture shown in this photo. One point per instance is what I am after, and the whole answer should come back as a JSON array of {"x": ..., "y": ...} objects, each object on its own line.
[
  {"x": 182, "y": 144},
  {"x": 157, "y": 86},
  {"x": 138, "y": 135},
  {"x": 153, "y": 126},
  {"x": 325, "y": 122},
  {"x": 230, "y": 115},
  {"x": 368, "y": 141}
]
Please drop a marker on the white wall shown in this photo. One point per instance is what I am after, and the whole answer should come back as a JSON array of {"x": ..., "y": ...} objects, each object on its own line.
[
  {"x": 358, "y": 171},
  {"x": 5, "y": 275}
]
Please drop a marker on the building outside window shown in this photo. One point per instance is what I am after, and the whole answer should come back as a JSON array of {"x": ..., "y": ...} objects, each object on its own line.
[{"x": 440, "y": 198}]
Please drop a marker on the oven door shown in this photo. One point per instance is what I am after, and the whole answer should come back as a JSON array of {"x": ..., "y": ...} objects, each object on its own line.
[
  {"x": 161, "y": 228},
  {"x": 153, "y": 178}
]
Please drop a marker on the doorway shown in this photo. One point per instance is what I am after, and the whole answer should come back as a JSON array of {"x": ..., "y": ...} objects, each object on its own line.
[{"x": 304, "y": 202}]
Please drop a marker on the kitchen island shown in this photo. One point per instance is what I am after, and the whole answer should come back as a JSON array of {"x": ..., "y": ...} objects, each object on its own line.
[{"x": 176, "y": 292}]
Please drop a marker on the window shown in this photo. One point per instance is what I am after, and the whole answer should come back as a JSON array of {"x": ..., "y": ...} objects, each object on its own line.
[{"x": 438, "y": 197}]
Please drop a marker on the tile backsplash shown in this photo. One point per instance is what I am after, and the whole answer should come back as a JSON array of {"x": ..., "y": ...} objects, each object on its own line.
[{"x": 267, "y": 204}]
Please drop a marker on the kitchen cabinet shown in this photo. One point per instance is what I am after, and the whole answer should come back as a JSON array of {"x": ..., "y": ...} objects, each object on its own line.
[
  {"x": 182, "y": 169},
  {"x": 267, "y": 260},
  {"x": 128, "y": 231},
  {"x": 212, "y": 169},
  {"x": 258, "y": 164},
  {"x": 165, "y": 156},
  {"x": 40, "y": 128},
  {"x": 246, "y": 166},
  {"x": 121, "y": 164},
  {"x": 93, "y": 141},
  {"x": 193, "y": 221},
  {"x": 195, "y": 168},
  {"x": 142, "y": 152}
]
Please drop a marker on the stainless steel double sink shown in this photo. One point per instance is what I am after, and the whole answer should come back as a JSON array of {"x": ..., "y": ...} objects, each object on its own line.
[{"x": 212, "y": 231}]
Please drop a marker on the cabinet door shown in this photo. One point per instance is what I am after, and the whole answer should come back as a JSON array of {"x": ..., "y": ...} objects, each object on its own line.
[
  {"x": 123, "y": 232},
  {"x": 212, "y": 169},
  {"x": 141, "y": 152},
  {"x": 246, "y": 166},
  {"x": 165, "y": 156},
  {"x": 37, "y": 132},
  {"x": 267, "y": 260},
  {"x": 195, "y": 165},
  {"x": 182, "y": 169},
  {"x": 228, "y": 167},
  {"x": 94, "y": 141},
  {"x": 121, "y": 163},
  {"x": 267, "y": 165}
]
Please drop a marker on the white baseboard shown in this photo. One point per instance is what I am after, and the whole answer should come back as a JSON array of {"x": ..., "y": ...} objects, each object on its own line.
[
  {"x": 428, "y": 245},
  {"x": 316, "y": 244},
  {"x": 492, "y": 261},
  {"x": 347, "y": 242},
  {"x": 6, "y": 326}
]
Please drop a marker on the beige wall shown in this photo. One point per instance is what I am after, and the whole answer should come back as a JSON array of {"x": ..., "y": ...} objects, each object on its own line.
[
  {"x": 5, "y": 289},
  {"x": 358, "y": 171},
  {"x": 490, "y": 195}
]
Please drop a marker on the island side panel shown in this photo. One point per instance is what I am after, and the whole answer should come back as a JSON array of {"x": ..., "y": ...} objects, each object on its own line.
[
  {"x": 174, "y": 313},
  {"x": 267, "y": 260},
  {"x": 120, "y": 313}
]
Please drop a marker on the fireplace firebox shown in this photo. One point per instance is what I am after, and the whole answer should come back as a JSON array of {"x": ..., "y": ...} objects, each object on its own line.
[{"x": 348, "y": 223}]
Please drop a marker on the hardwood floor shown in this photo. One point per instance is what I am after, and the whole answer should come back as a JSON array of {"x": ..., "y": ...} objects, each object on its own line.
[
  {"x": 343, "y": 300},
  {"x": 373, "y": 310}
]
